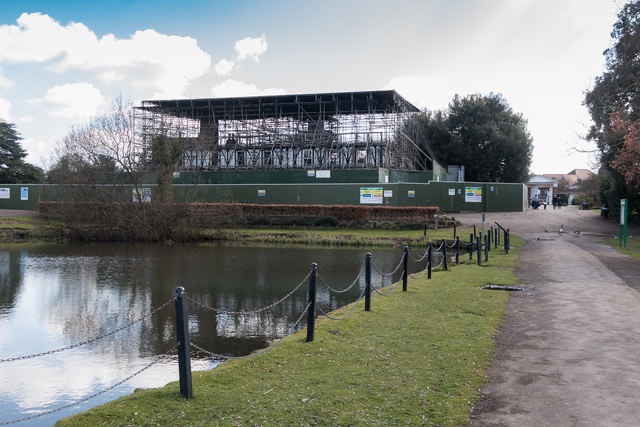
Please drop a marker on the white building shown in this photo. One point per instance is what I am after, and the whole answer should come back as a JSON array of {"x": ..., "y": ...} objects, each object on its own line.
[{"x": 542, "y": 187}]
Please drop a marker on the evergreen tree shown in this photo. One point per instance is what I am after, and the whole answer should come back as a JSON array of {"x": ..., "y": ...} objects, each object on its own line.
[
  {"x": 483, "y": 134},
  {"x": 13, "y": 168}
]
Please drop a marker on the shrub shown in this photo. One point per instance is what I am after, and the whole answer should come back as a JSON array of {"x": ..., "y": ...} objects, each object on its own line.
[{"x": 188, "y": 221}]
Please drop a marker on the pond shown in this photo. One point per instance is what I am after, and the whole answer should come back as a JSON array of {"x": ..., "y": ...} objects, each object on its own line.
[{"x": 97, "y": 315}]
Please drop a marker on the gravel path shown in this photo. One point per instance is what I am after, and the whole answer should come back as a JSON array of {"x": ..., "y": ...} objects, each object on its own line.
[{"x": 568, "y": 351}]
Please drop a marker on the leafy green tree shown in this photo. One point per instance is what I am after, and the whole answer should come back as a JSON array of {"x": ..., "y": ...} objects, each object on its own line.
[
  {"x": 13, "y": 168},
  {"x": 483, "y": 134},
  {"x": 614, "y": 106}
]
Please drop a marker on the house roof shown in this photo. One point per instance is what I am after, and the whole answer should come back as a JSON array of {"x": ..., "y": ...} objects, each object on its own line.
[
  {"x": 541, "y": 179},
  {"x": 572, "y": 177},
  {"x": 310, "y": 106}
]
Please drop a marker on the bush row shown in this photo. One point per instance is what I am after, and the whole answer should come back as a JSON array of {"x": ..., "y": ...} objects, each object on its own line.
[{"x": 152, "y": 221}]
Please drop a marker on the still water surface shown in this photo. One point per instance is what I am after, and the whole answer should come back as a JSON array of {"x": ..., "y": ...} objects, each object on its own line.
[{"x": 52, "y": 297}]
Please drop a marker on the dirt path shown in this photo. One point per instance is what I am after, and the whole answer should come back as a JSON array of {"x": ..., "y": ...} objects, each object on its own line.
[{"x": 568, "y": 352}]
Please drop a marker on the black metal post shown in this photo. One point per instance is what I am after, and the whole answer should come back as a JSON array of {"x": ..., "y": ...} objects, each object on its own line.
[
  {"x": 479, "y": 250},
  {"x": 486, "y": 247},
  {"x": 457, "y": 250},
  {"x": 182, "y": 334},
  {"x": 405, "y": 265},
  {"x": 367, "y": 289},
  {"x": 470, "y": 246},
  {"x": 474, "y": 232},
  {"x": 429, "y": 260},
  {"x": 507, "y": 241},
  {"x": 444, "y": 254},
  {"x": 455, "y": 230},
  {"x": 311, "y": 315}
]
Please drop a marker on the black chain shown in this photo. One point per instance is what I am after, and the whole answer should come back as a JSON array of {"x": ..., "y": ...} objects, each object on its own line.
[
  {"x": 257, "y": 310},
  {"x": 86, "y": 398},
  {"x": 81, "y": 343},
  {"x": 339, "y": 291},
  {"x": 256, "y": 353},
  {"x": 387, "y": 274}
]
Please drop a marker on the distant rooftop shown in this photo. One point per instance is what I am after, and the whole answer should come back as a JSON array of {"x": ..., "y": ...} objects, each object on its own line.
[{"x": 572, "y": 177}]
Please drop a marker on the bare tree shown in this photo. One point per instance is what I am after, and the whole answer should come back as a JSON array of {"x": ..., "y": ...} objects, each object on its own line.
[
  {"x": 104, "y": 163},
  {"x": 106, "y": 144},
  {"x": 110, "y": 168}
]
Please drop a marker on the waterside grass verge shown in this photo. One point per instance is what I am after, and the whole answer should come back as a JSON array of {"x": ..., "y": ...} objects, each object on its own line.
[
  {"x": 20, "y": 229},
  {"x": 335, "y": 236},
  {"x": 417, "y": 358}
]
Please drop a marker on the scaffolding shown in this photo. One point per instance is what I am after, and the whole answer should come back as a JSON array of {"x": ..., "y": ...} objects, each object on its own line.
[{"x": 347, "y": 130}]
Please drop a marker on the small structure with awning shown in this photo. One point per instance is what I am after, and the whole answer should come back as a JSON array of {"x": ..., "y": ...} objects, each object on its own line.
[{"x": 542, "y": 187}]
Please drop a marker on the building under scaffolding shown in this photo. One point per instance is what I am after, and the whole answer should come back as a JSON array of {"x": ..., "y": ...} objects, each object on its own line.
[{"x": 346, "y": 130}]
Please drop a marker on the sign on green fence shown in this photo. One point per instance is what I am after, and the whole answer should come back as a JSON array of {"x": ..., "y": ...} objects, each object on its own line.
[{"x": 473, "y": 194}]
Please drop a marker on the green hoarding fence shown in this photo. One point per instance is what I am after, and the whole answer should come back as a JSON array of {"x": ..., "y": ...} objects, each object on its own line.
[{"x": 447, "y": 196}]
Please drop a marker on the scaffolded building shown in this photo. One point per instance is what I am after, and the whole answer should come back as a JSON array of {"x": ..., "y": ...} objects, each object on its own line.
[{"x": 346, "y": 130}]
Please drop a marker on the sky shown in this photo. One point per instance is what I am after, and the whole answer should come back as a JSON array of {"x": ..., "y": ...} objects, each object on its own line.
[{"x": 64, "y": 61}]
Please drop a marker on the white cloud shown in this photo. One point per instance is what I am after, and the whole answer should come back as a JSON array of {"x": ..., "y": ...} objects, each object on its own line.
[
  {"x": 36, "y": 38},
  {"x": 235, "y": 88},
  {"x": 5, "y": 108},
  {"x": 111, "y": 76},
  {"x": 147, "y": 60},
  {"x": 247, "y": 48},
  {"x": 38, "y": 152},
  {"x": 251, "y": 48},
  {"x": 224, "y": 67},
  {"x": 80, "y": 100},
  {"x": 28, "y": 119},
  {"x": 4, "y": 81}
]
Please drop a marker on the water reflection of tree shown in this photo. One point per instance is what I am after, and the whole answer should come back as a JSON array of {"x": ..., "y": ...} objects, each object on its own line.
[
  {"x": 10, "y": 275},
  {"x": 98, "y": 288}
]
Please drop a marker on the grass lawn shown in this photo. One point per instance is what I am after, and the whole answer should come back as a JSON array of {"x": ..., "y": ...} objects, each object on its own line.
[
  {"x": 22, "y": 223},
  {"x": 22, "y": 228},
  {"x": 632, "y": 248},
  {"x": 339, "y": 237},
  {"x": 417, "y": 358}
]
